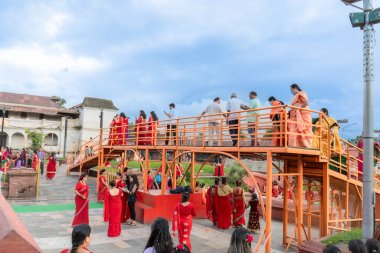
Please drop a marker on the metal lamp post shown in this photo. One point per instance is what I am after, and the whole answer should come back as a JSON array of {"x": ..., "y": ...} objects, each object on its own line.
[
  {"x": 343, "y": 128},
  {"x": 365, "y": 20}
]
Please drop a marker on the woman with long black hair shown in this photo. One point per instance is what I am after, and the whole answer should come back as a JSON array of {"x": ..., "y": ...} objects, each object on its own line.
[
  {"x": 159, "y": 240},
  {"x": 132, "y": 198},
  {"x": 241, "y": 240},
  {"x": 80, "y": 239},
  {"x": 81, "y": 201}
]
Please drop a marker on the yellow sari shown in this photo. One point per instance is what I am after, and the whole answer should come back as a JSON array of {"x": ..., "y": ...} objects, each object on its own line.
[{"x": 323, "y": 129}]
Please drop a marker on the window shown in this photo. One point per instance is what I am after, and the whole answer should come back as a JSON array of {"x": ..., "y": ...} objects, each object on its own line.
[
  {"x": 24, "y": 115},
  {"x": 42, "y": 116},
  {"x": 6, "y": 114}
]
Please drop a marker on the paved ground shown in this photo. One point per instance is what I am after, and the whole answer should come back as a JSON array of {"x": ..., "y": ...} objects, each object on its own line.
[{"x": 52, "y": 230}]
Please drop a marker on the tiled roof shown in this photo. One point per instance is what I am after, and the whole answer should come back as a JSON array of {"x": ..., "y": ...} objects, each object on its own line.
[
  {"x": 97, "y": 103},
  {"x": 24, "y": 99}
]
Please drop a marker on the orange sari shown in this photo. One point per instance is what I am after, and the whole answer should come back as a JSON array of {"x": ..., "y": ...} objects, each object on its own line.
[{"x": 300, "y": 123}]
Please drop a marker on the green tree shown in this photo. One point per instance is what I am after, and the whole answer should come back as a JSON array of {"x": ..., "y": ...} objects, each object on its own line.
[
  {"x": 236, "y": 172},
  {"x": 37, "y": 139}
]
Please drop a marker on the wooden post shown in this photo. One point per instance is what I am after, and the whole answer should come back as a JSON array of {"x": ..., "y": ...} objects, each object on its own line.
[
  {"x": 325, "y": 202},
  {"x": 268, "y": 221},
  {"x": 145, "y": 170},
  {"x": 164, "y": 181},
  {"x": 309, "y": 212},
  {"x": 299, "y": 199},
  {"x": 285, "y": 206},
  {"x": 192, "y": 183},
  {"x": 174, "y": 178}
]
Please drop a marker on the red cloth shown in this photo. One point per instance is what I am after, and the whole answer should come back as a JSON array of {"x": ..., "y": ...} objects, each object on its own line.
[
  {"x": 182, "y": 222},
  {"x": 124, "y": 209},
  {"x": 102, "y": 188},
  {"x": 254, "y": 215},
  {"x": 239, "y": 208},
  {"x": 119, "y": 131},
  {"x": 5, "y": 155},
  {"x": 35, "y": 162},
  {"x": 141, "y": 131},
  {"x": 50, "y": 170},
  {"x": 150, "y": 183},
  {"x": 69, "y": 250},
  {"x": 112, "y": 134},
  {"x": 152, "y": 128},
  {"x": 211, "y": 204},
  {"x": 224, "y": 211},
  {"x": 81, "y": 205},
  {"x": 113, "y": 207},
  {"x": 216, "y": 170},
  {"x": 276, "y": 191},
  {"x": 125, "y": 130}
]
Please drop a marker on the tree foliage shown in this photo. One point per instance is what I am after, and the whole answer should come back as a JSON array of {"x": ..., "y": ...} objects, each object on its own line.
[
  {"x": 236, "y": 172},
  {"x": 37, "y": 139}
]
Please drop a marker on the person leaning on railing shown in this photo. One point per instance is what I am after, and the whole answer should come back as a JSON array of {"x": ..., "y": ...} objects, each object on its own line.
[
  {"x": 172, "y": 125},
  {"x": 253, "y": 116},
  {"x": 233, "y": 107},
  {"x": 213, "y": 121}
]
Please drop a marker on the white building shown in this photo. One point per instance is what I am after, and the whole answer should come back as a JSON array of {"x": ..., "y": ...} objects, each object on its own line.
[{"x": 44, "y": 114}]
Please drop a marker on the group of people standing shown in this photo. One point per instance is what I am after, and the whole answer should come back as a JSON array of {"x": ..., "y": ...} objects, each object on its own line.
[{"x": 226, "y": 206}]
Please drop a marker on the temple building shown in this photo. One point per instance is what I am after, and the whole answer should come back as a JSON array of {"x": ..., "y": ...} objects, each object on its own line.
[{"x": 23, "y": 112}]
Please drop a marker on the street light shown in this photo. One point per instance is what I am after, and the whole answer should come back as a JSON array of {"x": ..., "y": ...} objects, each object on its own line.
[
  {"x": 365, "y": 21},
  {"x": 347, "y": 127}
]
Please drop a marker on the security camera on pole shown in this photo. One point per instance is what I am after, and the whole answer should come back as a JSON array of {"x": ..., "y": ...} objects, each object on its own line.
[{"x": 365, "y": 20}]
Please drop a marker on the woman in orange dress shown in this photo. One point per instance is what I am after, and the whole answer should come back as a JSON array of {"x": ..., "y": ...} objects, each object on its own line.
[
  {"x": 300, "y": 121},
  {"x": 152, "y": 128},
  {"x": 183, "y": 219},
  {"x": 50, "y": 170},
  {"x": 113, "y": 207},
  {"x": 80, "y": 239},
  {"x": 277, "y": 115},
  {"x": 239, "y": 205},
  {"x": 224, "y": 207},
  {"x": 102, "y": 185},
  {"x": 81, "y": 201},
  {"x": 141, "y": 132},
  {"x": 35, "y": 160}
]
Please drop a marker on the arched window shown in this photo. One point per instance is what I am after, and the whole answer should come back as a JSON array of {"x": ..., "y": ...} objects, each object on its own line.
[
  {"x": 18, "y": 141},
  {"x": 51, "y": 139}
]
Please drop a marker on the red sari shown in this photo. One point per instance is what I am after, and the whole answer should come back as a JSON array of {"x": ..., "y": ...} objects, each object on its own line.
[
  {"x": 239, "y": 207},
  {"x": 112, "y": 133},
  {"x": 211, "y": 204},
  {"x": 125, "y": 131},
  {"x": 141, "y": 133},
  {"x": 102, "y": 188},
  {"x": 50, "y": 170},
  {"x": 150, "y": 183},
  {"x": 276, "y": 191},
  {"x": 81, "y": 205},
  {"x": 183, "y": 222},
  {"x": 152, "y": 127},
  {"x": 224, "y": 210},
  {"x": 113, "y": 209},
  {"x": 35, "y": 162},
  {"x": 119, "y": 131},
  {"x": 124, "y": 210},
  {"x": 216, "y": 170}
]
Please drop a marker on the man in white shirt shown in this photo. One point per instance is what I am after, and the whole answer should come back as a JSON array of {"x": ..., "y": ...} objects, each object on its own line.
[
  {"x": 171, "y": 127},
  {"x": 233, "y": 105},
  {"x": 253, "y": 115},
  {"x": 214, "y": 121}
]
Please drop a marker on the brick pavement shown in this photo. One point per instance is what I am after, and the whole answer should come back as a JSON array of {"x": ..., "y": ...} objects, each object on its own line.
[{"x": 52, "y": 230}]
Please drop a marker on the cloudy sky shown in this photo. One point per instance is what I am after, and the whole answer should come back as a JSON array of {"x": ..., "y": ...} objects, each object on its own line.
[{"x": 144, "y": 54}]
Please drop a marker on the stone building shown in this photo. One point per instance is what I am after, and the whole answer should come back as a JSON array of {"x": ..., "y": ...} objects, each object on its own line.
[{"x": 46, "y": 115}]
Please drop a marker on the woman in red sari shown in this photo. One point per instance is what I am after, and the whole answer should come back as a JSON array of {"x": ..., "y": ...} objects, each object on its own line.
[
  {"x": 183, "y": 219},
  {"x": 219, "y": 169},
  {"x": 141, "y": 133},
  {"x": 211, "y": 200},
  {"x": 80, "y": 239},
  {"x": 276, "y": 191},
  {"x": 376, "y": 148},
  {"x": 102, "y": 186},
  {"x": 113, "y": 207},
  {"x": 119, "y": 129},
  {"x": 152, "y": 128},
  {"x": 50, "y": 170},
  {"x": 239, "y": 205},
  {"x": 300, "y": 121},
  {"x": 81, "y": 201},
  {"x": 121, "y": 184},
  {"x": 112, "y": 133},
  {"x": 150, "y": 181},
  {"x": 124, "y": 128},
  {"x": 35, "y": 160},
  {"x": 224, "y": 205},
  {"x": 277, "y": 116}
]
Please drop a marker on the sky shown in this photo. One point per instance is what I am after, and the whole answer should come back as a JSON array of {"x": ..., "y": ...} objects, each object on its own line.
[{"x": 145, "y": 54}]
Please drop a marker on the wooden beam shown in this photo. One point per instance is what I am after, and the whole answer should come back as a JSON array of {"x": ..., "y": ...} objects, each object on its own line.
[
  {"x": 268, "y": 221},
  {"x": 285, "y": 206},
  {"x": 164, "y": 181},
  {"x": 300, "y": 199}
]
